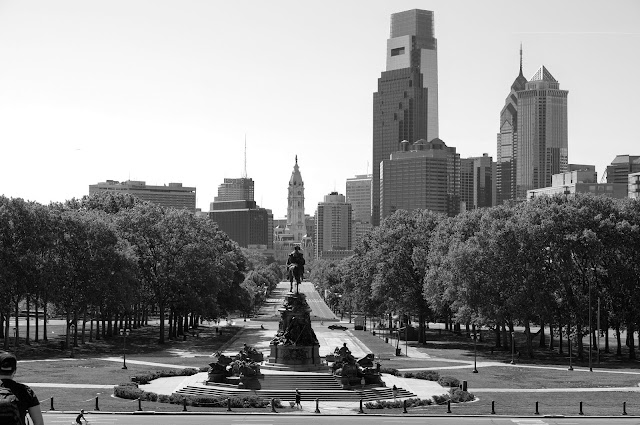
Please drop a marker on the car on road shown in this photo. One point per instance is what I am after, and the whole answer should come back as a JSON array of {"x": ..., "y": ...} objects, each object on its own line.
[{"x": 337, "y": 327}]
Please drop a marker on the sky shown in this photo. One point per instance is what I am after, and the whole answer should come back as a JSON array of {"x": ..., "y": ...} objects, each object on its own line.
[{"x": 167, "y": 91}]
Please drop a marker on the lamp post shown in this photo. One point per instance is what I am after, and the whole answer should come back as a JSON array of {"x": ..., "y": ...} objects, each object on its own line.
[
  {"x": 513, "y": 348},
  {"x": 475, "y": 351},
  {"x": 124, "y": 333}
]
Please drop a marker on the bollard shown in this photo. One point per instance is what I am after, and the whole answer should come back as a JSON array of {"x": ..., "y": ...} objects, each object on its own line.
[
  {"x": 537, "y": 413},
  {"x": 581, "y": 409},
  {"x": 448, "y": 406},
  {"x": 404, "y": 406},
  {"x": 624, "y": 408},
  {"x": 361, "y": 411},
  {"x": 52, "y": 408},
  {"x": 184, "y": 404},
  {"x": 97, "y": 407},
  {"x": 493, "y": 407},
  {"x": 464, "y": 385},
  {"x": 273, "y": 405},
  {"x": 139, "y": 405},
  {"x": 317, "y": 405},
  {"x": 228, "y": 405}
]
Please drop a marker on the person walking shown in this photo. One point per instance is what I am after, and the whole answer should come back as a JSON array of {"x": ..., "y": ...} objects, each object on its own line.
[
  {"x": 16, "y": 399},
  {"x": 298, "y": 399}
]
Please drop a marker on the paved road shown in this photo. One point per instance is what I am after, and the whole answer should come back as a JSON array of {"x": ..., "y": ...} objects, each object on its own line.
[{"x": 295, "y": 419}]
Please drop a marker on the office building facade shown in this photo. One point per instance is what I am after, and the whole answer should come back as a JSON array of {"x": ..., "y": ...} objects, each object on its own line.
[
  {"x": 405, "y": 105},
  {"x": 620, "y": 168},
  {"x": 477, "y": 182},
  {"x": 173, "y": 195},
  {"x": 244, "y": 222},
  {"x": 542, "y": 126},
  {"x": 241, "y": 189},
  {"x": 508, "y": 141},
  {"x": 333, "y": 227},
  {"x": 359, "y": 195},
  {"x": 425, "y": 175}
]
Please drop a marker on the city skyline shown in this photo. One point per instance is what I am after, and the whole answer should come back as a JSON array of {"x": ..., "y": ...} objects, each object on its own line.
[{"x": 165, "y": 91}]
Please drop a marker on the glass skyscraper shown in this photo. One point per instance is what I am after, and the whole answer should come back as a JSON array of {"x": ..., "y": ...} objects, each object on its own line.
[{"x": 405, "y": 107}]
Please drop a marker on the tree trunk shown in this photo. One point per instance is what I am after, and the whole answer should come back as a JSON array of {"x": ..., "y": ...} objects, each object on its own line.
[
  {"x": 560, "y": 338},
  {"x": 2, "y": 319},
  {"x": 551, "y": 344},
  {"x": 527, "y": 332},
  {"x": 579, "y": 337},
  {"x": 170, "y": 324},
  {"x": 84, "y": 325},
  {"x": 26, "y": 338},
  {"x": 543, "y": 339},
  {"x": 91, "y": 329},
  {"x": 17, "y": 334},
  {"x": 606, "y": 339},
  {"x": 619, "y": 348},
  {"x": 6, "y": 332},
  {"x": 35, "y": 307},
  {"x": 632, "y": 349},
  {"x": 75, "y": 331},
  {"x": 44, "y": 315},
  {"x": 161, "y": 308}
]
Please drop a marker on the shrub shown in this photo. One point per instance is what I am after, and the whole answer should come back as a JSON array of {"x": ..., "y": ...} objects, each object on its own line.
[
  {"x": 459, "y": 396},
  {"x": 449, "y": 381},
  {"x": 128, "y": 392},
  {"x": 428, "y": 375},
  {"x": 409, "y": 375},
  {"x": 390, "y": 371},
  {"x": 386, "y": 404}
]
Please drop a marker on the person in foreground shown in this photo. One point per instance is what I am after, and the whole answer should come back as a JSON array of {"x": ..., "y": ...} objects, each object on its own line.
[{"x": 16, "y": 396}]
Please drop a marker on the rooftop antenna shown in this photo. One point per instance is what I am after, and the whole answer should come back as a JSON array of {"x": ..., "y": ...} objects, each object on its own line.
[
  {"x": 520, "y": 58},
  {"x": 244, "y": 175}
]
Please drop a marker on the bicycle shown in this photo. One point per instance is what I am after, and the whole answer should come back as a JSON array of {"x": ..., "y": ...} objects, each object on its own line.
[{"x": 79, "y": 419}]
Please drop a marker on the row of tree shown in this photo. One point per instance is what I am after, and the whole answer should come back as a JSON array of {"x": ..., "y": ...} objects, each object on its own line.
[
  {"x": 546, "y": 262},
  {"x": 115, "y": 259}
]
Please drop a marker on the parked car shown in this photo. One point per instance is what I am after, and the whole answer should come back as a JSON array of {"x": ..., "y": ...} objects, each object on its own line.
[{"x": 337, "y": 327}]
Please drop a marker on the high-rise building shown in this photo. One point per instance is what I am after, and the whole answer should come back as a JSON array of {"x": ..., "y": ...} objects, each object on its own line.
[
  {"x": 173, "y": 195},
  {"x": 359, "y": 195},
  {"x": 508, "y": 141},
  {"x": 423, "y": 176},
  {"x": 477, "y": 182},
  {"x": 620, "y": 168},
  {"x": 405, "y": 107},
  {"x": 542, "y": 128},
  {"x": 241, "y": 189},
  {"x": 244, "y": 222},
  {"x": 333, "y": 227}
]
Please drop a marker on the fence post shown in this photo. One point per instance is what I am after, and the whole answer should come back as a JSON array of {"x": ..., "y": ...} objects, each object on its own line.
[
  {"x": 581, "y": 409},
  {"x": 624, "y": 408},
  {"x": 52, "y": 408},
  {"x": 404, "y": 406},
  {"x": 448, "y": 406},
  {"x": 273, "y": 405},
  {"x": 184, "y": 404},
  {"x": 493, "y": 407},
  {"x": 228, "y": 405},
  {"x": 97, "y": 406},
  {"x": 139, "y": 405},
  {"x": 361, "y": 411},
  {"x": 537, "y": 413},
  {"x": 317, "y": 405}
]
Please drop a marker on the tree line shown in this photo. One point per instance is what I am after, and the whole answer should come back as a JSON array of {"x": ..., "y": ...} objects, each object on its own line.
[
  {"x": 546, "y": 263},
  {"x": 111, "y": 261}
]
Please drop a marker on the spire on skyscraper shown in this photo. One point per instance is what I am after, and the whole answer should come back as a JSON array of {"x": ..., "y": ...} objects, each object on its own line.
[{"x": 520, "y": 58}]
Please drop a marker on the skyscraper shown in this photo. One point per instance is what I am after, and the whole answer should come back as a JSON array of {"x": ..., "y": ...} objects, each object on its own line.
[
  {"x": 542, "y": 132},
  {"x": 241, "y": 189},
  {"x": 358, "y": 192},
  {"x": 508, "y": 141},
  {"x": 477, "y": 182},
  {"x": 405, "y": 107},
  {"x": 333, "y": 227},
  {"x": 425, "y": 175}
]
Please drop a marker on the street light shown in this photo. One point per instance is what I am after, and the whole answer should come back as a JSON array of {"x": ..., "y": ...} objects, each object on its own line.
[
  {"x": 513, "y": 348},
  {"x": 124, "y": 333},
  {"x": 475, "y": 351}
]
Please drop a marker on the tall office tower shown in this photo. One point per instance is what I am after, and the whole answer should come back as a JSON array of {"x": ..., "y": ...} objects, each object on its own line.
[
  {"x": 477, "y": 182},
  {"x": 508, "y": 141},
  {"x": 542, "y": 149},
  {"x": 241, "y": 189},
  {"x": 405, "y": 107},
  {"x": 333, "y": 227},
  {"x": 244, "y": 222},
  {"x": 359, "y": 196},
  {"x": 620, "y": 168},
  {"x": 173, "y": 195},
  {"x": 358, "y": 193},
  {"x": 295, "y": 207},
  {"x": 423, "y": 176}
]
